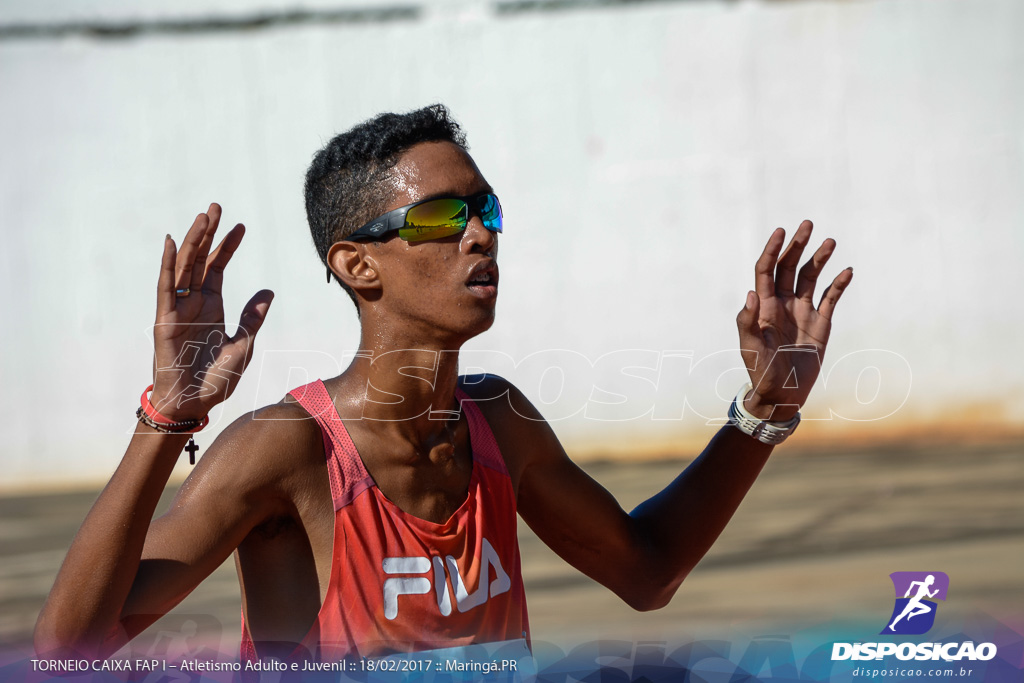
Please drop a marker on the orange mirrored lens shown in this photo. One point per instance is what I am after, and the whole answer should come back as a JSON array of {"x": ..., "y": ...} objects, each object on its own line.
[
  {"x": 434, "y": 220},
  {"x": 420, "y": 234},
  {"x": 438, "y": 213}
]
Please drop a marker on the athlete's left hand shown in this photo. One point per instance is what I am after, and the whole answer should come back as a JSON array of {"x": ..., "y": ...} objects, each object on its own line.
[{"x": 782, "y": 334}]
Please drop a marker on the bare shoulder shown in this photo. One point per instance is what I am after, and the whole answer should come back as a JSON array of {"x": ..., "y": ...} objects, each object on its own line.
[
  {"x": 522, "y": 433},
  {"x": 279, "y": 432},
  {"x": 498, "y": 399},
  {"x": 271, "y": 453},
  {"x": 262, "y": 467}
]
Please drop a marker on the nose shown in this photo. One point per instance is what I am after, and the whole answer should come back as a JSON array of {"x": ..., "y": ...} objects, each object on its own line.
[{"x": 477, "y": 239}]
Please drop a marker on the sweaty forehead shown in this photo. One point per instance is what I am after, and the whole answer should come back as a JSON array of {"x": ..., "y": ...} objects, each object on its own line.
[{"x": 429, "y": 169}]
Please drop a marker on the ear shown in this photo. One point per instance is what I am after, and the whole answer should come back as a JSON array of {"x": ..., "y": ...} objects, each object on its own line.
[{"x": 353, "y": 264}]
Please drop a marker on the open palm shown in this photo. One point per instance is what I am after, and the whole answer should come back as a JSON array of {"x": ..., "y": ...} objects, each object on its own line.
[
  {"x": 783, "y": 334},
  {"x": 196, "y": 365}
]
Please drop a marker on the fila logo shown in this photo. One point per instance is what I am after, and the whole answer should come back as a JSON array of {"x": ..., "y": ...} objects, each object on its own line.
[{"x": 464, "y": 600}]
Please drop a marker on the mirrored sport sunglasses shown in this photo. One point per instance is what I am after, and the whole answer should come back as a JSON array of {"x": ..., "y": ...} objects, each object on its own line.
[
  {"x": 432, "y": 219},
  {"x": 435, "y": 218}
]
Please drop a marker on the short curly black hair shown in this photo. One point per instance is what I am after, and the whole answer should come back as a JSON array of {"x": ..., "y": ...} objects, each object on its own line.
[{"x": 346, "y": 183}]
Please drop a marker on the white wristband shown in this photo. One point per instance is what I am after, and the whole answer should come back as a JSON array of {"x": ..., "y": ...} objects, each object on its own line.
[{"x": 764, "y": 431}]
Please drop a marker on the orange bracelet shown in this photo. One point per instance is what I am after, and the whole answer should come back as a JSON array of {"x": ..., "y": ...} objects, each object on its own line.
[
  {"x": 182, "y": 427},
  {"x": 151, "y": 417}
]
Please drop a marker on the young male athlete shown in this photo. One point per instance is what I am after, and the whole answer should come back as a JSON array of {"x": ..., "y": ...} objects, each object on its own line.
[{"x": 375, "y": 511}]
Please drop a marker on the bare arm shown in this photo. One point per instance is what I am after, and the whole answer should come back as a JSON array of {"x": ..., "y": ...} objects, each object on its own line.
[
  {"x": 123, "y": 572},
  {"x": 94, "y": 580},
  {"x": 643, "y": 556},
  {"x": 108, "y": 573}
]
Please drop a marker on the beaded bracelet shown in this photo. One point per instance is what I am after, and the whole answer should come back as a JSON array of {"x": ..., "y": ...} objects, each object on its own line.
[
  {"x": 148, "y": 415},
  {"x": 183, "y": 427}
]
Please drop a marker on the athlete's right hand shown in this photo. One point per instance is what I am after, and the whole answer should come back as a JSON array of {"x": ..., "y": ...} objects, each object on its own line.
[{"x": 196, "y": 365}]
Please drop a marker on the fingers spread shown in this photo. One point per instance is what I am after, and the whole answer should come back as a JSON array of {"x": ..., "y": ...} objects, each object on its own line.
[
  {"x": 199, "y": 266},
  {"x": 253, "y": 316},
  {"x": 746, "y": 321},
  {"x": 830, "y": 297},
  {"x": 214, "y": 213},
  {"x": 808, "y": 279},
  {"x": 785, "y": 270},
  {"x": 764, "y": 278},
  {"x": 189, "y": 249},
  {"x": 165, "y": 298},
  {"x": 219, "y": 259}
]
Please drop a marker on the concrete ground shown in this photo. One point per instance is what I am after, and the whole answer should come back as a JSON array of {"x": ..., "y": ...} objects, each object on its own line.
[{"x": 814, "y": 541}]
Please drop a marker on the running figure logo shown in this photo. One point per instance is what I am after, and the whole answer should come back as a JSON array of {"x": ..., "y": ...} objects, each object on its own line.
[{"x": 914, "y": 613}]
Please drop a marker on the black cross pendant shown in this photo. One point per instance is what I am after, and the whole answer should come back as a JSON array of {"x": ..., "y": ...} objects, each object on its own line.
[{"x": 191, "y": 448}]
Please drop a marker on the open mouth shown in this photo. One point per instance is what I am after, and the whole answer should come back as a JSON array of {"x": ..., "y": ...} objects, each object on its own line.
[{"x": 484, "y": 282}]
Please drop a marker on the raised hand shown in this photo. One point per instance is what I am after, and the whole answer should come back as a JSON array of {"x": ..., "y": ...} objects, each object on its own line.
[
  {"x": 196, "y": 365},
  {"x": 782, "y": 334}
]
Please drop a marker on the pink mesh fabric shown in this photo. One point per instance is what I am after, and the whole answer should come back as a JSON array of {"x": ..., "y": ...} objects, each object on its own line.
[
  {"x": 485, "y": 448},
  {"x": 370, "y": 528},
  {"x": 345, "y": 468}
]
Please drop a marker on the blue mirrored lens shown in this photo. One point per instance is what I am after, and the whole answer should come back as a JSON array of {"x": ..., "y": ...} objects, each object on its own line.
[{"x": 490, "y": 212}]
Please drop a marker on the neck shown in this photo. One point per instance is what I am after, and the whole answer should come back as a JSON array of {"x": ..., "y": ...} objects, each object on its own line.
[{"x": 408, "y": 390}]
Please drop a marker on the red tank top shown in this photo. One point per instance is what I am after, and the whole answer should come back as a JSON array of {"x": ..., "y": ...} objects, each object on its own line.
[{"x": 400, "y": 583}]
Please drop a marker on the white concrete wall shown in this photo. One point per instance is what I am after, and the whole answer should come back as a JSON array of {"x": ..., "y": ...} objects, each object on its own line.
[{"x": 642, "y": 154}]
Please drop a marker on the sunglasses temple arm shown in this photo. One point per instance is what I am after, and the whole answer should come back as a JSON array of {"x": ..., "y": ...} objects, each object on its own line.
[{"x": 396, "y": 219}]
